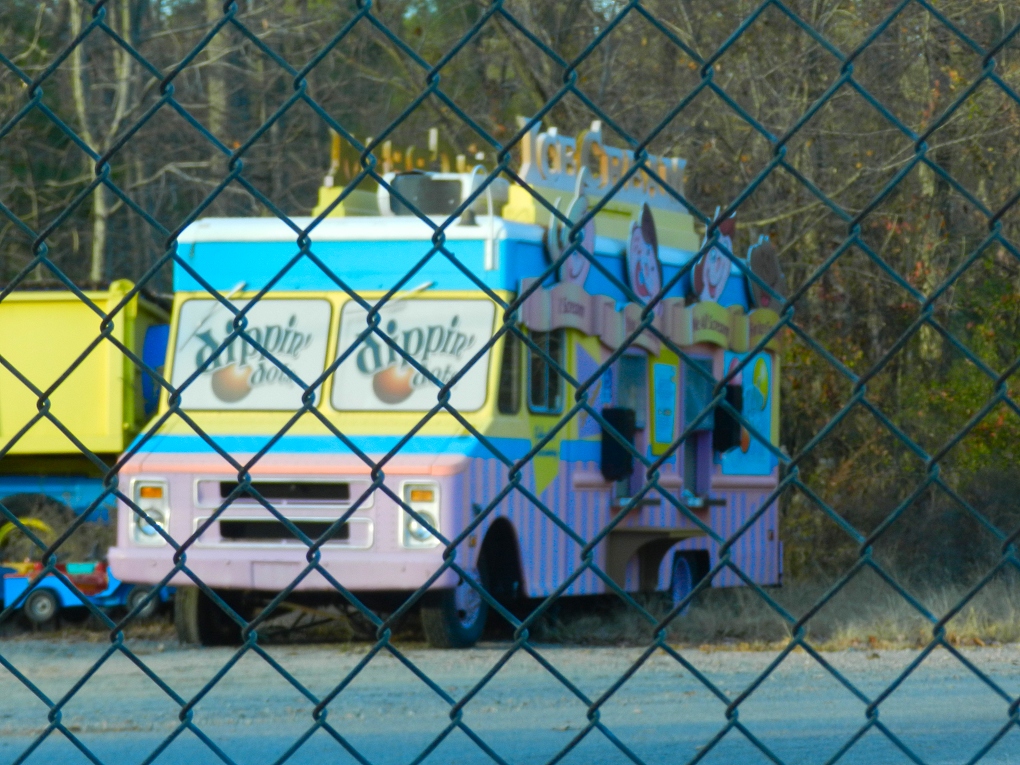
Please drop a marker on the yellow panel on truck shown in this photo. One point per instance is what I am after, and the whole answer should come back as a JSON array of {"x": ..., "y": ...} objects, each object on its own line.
[{"x": 45, "y": 333}]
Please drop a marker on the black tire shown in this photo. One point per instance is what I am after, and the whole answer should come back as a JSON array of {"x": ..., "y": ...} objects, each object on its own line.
[
  {"x": 199, "y": 621},
  {"x": 41, "y": 606},
  {"x": 681, "y": 581},
  {"x": 456, "y": 617},
  {"x": 137, "y": 594}
]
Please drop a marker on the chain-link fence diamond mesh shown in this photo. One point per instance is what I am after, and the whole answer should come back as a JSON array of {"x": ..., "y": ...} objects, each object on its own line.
[{"x": 618, "y": 432}]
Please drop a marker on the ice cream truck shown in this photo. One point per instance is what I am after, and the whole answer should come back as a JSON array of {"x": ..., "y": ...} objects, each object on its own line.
[{"x": 382, "y": 430}]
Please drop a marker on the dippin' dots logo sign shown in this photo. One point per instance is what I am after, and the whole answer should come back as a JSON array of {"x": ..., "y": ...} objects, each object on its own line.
[
  {"x": 439, "y": 348},
  {"x": 242, "y": 367}
]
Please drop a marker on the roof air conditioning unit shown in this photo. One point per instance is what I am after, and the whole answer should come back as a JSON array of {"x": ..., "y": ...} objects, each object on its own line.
[{"x": 440, "y": 194}]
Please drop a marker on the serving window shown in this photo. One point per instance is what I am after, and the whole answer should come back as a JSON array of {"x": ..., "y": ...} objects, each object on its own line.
[{"x": 545, "y": 385}]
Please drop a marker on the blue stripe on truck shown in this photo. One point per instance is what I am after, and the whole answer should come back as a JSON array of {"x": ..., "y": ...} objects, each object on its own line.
[{"x": 512, "y": 448}]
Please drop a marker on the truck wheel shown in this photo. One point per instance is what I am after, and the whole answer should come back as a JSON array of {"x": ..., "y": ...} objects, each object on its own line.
[
  {"x": 136, "y": 596},
  {"x": 681, "y": 581},
  {"x": 457, "y": 618},
  {"x": 41, "y": 606},
  {"x": 199, "y": 621}
]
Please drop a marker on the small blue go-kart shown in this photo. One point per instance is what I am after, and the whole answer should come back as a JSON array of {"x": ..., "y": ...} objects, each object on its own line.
[{"x": 94, "y": 581}]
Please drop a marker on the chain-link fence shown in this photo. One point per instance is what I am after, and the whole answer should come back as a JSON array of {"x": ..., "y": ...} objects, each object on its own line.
[{"x": 618, "y": 432}]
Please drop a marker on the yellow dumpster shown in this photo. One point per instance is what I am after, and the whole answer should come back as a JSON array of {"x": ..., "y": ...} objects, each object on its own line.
[{"x": 56, "y": 360}]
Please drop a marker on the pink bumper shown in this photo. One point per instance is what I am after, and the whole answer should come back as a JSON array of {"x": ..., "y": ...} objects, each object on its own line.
[{"x": 357, "y": 570}]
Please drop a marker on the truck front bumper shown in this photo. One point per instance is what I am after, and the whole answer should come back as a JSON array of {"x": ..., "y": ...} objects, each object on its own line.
[{"x": 256, "y": 569}]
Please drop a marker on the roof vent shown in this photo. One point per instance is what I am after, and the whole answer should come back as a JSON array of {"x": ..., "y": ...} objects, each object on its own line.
[{"x": 440, "y": 194}]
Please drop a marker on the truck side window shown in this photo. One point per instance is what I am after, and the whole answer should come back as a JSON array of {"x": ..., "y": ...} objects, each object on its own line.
[
  {"x": 509, "y": 399},
  {"x": 545, "y": 386},
  {"x": 691, "y": 465},
  {"x": 698, "y": 393},
  {"x": 632, "y": 386}
]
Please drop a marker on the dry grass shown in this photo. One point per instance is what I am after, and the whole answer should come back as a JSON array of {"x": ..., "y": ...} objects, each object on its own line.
[
  {"x": 867, "y": 613},
  {"x": 90, "y": 630}
]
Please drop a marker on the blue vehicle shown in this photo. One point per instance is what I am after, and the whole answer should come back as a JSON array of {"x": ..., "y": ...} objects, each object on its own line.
[{"x": 94, "y": 583}]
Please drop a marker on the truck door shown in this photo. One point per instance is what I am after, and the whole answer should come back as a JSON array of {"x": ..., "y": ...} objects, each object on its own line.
[
  {"x": 697, "y": 448},
  {"x": 632, "y": 393}
]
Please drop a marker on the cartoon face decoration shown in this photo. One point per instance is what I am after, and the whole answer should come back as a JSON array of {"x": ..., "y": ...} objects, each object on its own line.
[
  {"x": 764, "y": 261},
  {"x": 557, "y": 239},
  {"x": 644, "y": 272},
  {"x": 713, "y": 270},
  {"x": 576, "y": 267}
]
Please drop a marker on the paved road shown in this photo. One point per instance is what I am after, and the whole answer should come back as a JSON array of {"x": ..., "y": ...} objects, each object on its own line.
[{"x": 662, "y": 713}]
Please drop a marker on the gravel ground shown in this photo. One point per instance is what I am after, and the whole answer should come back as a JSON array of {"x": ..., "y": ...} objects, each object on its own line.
[{"x": 662, "y": 713}]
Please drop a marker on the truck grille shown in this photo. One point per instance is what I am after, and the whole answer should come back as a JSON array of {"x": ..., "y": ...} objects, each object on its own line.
[
  {"x": 293, "y": 491},
  {"x": 235, "y": 530}
]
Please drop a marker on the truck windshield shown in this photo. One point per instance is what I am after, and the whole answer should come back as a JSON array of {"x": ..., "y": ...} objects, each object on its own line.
[
  {"x": 442, "y": 336},
  {"x": 294, "y": 332}
]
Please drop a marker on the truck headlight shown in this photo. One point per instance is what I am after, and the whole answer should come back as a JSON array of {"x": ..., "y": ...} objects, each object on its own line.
[
  {"x": 152, "y": 497},
  {"x": 423, "y": 498}
]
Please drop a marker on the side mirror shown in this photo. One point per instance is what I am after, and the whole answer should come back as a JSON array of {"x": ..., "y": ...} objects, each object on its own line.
[
  {"x": 154, "y": 354},
  {"x": 726, "y": 433},
  {"x": 617, "y": 461}
]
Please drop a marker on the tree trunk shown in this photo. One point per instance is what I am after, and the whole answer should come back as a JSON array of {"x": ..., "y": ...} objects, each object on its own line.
[
  {"x": 83, "y": 94},
  {"x": 216, "y": 85},
  {"x": 100, "y": 209},
  {"x": 100, "y": 215}
]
